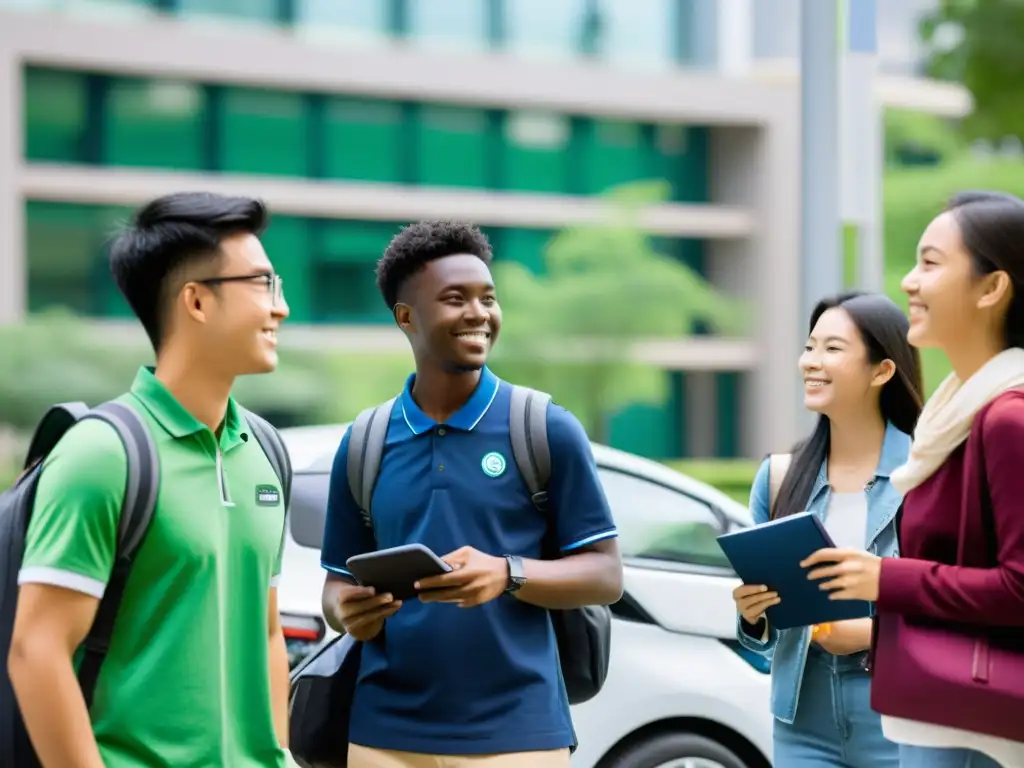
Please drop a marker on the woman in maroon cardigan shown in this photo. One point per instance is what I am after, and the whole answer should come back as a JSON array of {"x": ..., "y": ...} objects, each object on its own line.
[{"x": 967, "y": 299}]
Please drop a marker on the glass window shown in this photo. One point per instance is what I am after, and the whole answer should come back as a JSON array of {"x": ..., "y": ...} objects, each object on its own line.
[
  {"x": 259, "y": 10},
  {"x": 533, "y": 155},
  {"x": 351, "y": 19},
  {"x": 658, "y": 523},
  {"x": 363, "y": 139},
  {"x": 527, "y": 246},
  {"x": 287, "y": 243},
  {"x": 459, "y": 23},
  {"x": 545, "y": 28},
  {"x": 344, "y": 274},
  {"x": 55, "y": 115},
  {"x": 67, "y": 258},
  {"x": 452, "y": 147},
  {"x": 679, "y": 154},
  {"x": 262, "y": 132},
  {"x": 637, "y": 32},
  {"x": 612, "y": 153},
  {"x": 155, "y": 123}
]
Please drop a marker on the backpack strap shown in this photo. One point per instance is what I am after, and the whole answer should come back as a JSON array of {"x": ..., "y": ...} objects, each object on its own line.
[
  {"x": 141, "y": 488},
  {"x": 528, "y": 430},
  {"x": 365, "y": 452},
  {"x": 273, "y": 446},
  {"x": 778, "y": 466}
]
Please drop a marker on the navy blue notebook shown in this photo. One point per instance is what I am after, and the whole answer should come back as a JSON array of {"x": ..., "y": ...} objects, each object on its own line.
[{"x": 771, "y": 554}]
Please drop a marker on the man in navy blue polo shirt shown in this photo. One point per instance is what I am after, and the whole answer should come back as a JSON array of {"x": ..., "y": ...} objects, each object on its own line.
[{"x": 468, "y": 673}]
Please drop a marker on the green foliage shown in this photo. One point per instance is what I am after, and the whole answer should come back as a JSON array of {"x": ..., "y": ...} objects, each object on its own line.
[
  {"x": 910, "y": 134},
  {"x": 57, "y": 358},
  {"x": 978, "y": 43},
  {"x": 731, "y": 476},
  {"x": 569, "y": 330}
]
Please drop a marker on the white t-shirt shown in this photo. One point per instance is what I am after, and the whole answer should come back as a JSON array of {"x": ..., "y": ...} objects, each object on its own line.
[
  {"x": 1009, "y": 754},
  {"x": 847, "y": 519}
]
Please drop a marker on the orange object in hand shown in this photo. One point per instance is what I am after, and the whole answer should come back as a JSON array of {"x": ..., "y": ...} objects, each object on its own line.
[{"x": 820, "y": 630}]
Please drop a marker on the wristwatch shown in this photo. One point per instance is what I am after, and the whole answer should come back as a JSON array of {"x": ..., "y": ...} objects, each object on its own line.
[{"x": 516, "y": 573}]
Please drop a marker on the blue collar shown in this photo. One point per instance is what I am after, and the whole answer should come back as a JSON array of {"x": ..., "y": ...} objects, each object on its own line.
[
  {"x": 895, "y": 449},
  {"x": 466, "y": 418}
]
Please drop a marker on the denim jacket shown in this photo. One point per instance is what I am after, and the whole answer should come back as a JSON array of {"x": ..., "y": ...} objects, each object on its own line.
[{"x": 788, "y": 648}]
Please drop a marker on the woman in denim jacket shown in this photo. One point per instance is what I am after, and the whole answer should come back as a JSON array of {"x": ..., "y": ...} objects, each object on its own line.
[{"x": 864, "y": 379}]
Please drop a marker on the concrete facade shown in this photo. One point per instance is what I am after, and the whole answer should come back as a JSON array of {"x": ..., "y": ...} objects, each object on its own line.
[{"x": 751, "y": 225}]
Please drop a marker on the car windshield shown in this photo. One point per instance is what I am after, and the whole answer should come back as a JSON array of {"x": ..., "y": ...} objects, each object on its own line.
[{"x": 660, "y": 523}]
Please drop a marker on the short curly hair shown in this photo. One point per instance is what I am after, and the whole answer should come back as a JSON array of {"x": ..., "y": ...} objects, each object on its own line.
[{"x": 420, "y": 243}]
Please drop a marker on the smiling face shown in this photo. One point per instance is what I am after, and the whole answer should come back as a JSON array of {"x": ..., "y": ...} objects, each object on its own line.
[
  {"x": 450, "y": 313},
  {"x": 948, "y": 301},
  {"x": 837, "y": 371},
  {"x": 236, "y": 321}
]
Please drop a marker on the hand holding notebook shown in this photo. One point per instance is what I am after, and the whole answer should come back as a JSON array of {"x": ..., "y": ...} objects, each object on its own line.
[{"x": 771, "y": 554}]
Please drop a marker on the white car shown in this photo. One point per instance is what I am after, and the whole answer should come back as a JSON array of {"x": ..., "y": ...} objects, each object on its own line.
[{"x": 681, "y": 692}]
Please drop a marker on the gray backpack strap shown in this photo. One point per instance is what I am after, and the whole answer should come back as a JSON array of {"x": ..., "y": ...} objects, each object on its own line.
[
  {"x": 365, "y": 451},
  {"x": 141, "y": 489},
  {"x": 528, "y": 430},
  {"x": 273, "y": 446},
  {"x": 778, "y": 466}
]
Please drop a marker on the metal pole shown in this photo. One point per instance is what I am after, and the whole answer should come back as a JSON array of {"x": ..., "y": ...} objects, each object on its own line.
[
  {"x": 820, "y": 246},
  {"x": 861, "y": 141}
]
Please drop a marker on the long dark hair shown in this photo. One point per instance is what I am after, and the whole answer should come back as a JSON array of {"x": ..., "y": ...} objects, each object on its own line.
[
  {"x": 883, "y": 328},
  {"x": 992, "y": 229}
]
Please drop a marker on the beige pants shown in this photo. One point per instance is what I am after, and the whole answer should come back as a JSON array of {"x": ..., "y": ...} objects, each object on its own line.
[{"x": 367, "y": 757}]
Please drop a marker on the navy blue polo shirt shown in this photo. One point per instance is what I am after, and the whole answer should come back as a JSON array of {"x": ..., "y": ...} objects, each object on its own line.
[{"x": 447, "y": 680}]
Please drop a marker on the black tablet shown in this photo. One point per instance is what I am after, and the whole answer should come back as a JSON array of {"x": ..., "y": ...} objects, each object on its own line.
[{"x": 395, "y": 570}]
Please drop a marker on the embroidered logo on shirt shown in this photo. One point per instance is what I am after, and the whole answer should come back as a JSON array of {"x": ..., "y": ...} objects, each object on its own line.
[
  {"x": 493, "y": 464},
  {"x": 267, "y": 496}
]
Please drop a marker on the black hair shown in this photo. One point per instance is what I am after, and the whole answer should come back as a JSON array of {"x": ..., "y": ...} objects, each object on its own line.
[
  {"x": 168, "y": 235},
  {"x": 417, "y": 244},
  {"x": 992, "y": 229},
  {"x": 883, "y": 327}
]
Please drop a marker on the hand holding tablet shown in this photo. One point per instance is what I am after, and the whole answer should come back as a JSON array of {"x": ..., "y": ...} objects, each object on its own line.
[{"x": 396, "y": 570}]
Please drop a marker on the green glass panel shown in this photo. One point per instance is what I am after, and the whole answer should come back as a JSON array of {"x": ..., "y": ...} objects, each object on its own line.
[
  {"x": 363, "y": 139},
  {"x": 354, "y": 18},
  {"x": 154, "y": 123},
  {"x": 287, "y": 243},
  {"x": 55, "y": 115},
  {"x": 361, "y": 242},
  {"x": 544, "y": 29},
  {"x": 262, "y": 132},
  {"x": 344, "y": 271},
  {"x": 67, "y": 248},
  {"x": 533, "y": 152},
  {"x": 452, "y": 146},
  {"x": 447, "y": 22},
  {"x": 612, "y": 153},
  {"x": 728, "y": 401},
  {"x": 647, "y": 430},
  {"x": 526, "y": 246},
  {"x": 679, "y": 154},
  {"x": 258, "y": 10}
]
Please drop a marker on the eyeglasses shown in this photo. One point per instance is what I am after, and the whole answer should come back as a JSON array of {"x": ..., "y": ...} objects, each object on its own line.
[{"x": 271, "y": 280}]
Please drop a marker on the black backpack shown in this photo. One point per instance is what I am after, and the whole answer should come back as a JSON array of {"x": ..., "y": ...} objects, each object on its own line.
[
  {"x": 323, "y": 685},
  {"x": 16, "y": 504}
]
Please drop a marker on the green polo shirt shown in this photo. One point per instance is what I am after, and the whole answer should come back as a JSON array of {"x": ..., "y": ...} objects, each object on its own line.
[{"x": 186, "y": 682}]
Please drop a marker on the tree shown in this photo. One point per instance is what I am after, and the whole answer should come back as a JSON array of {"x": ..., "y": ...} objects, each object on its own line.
[
  {"x": 58, "y": 358},
  {"x": 570, "y": 331},
  {"x": 978, "y": 43}
]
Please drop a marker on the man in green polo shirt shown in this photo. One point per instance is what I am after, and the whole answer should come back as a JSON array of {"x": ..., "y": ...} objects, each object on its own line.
[{"x": 197, "y": 671}]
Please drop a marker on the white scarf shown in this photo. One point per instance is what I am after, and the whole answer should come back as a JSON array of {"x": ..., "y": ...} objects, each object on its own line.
[{"x": 947, "y": 416}]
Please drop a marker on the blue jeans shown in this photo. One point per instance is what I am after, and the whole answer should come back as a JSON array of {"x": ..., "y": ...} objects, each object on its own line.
[
  {"x": 835, "y": 726},
  {"x": 939, "y": 757}
]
